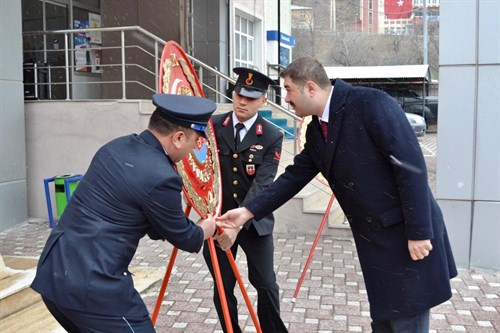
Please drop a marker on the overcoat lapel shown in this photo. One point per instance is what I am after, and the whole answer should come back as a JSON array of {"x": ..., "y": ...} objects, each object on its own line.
[{"x": 337, "y": 102}]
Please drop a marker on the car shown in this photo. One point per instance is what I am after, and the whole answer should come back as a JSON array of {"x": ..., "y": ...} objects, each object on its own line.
[
  {"x": 417, "y": 123},
  {"x": 412, "y": 102}
]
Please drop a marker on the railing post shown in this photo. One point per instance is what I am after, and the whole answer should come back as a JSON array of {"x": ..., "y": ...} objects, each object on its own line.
[
  {"x": 217, "y": 85},
  {"x": 200, "y": 76},
  {"x": 124, "y": 92},
  {"x": 157, "y": 79},
  {"x": 66, "y": 64},
  {"x": 49, "y": 79}
]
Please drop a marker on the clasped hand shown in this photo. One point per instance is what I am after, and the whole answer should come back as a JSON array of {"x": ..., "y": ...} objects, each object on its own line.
[
  {"x": 208, "y": 225},
  {"x": 227, "y": 238},
  {"x": 419, "y": 249}
]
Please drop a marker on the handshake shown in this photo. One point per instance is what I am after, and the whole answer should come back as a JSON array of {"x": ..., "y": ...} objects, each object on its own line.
[{"x": 232, "y": 219}]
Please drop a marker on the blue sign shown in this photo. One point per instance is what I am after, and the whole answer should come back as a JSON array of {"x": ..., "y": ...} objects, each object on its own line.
[{"x": 284, "y": 38}]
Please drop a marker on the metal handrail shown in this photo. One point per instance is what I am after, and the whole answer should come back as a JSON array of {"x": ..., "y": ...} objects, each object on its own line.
[
  {"x": 156, "y": 55},
  {"x": 202, "y": 67}
]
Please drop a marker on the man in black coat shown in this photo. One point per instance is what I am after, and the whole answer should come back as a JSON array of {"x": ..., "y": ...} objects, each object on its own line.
[
  {"x": 376, "y": 169},
  {"x": 130, "y": 189},
  {"x": 249, "y": 153}
]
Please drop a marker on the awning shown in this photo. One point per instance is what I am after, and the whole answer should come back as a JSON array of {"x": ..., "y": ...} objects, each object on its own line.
[{"x": 381, "y": 74}]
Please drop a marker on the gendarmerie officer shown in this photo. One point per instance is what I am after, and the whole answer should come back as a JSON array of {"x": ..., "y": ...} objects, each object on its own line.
[
  {"x": 249, "y": 153},
  {"x": 130, "y": 189}
]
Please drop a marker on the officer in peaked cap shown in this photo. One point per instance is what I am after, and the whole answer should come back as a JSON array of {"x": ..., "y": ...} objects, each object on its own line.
[
  {"x": 251, "y": 83},
  {"x": 249, "y": 149},
  {"x": 131, "y": 189},
  {"x": 187, "y": 111}
]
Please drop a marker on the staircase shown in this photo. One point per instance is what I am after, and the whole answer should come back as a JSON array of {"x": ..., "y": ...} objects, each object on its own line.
[
  {"x": 22, "y": 309},
  {"x": 282, "y": 123},
  {"x": 305, "y": 211}
]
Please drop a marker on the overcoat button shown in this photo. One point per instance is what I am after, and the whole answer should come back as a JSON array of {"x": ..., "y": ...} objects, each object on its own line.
[
  {"x": 235, "y": 155},
  {"x": 235, "y": 182},
  {"x": 235, "y": 169},
  {"x": 235, "y": 195}
]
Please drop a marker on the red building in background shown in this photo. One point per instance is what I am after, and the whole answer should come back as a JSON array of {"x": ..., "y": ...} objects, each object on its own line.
[{"x": 394, "y": 17}]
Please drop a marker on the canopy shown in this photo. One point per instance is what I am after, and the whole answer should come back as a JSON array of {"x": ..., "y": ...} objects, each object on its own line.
[{"x": 381, "y": 74}]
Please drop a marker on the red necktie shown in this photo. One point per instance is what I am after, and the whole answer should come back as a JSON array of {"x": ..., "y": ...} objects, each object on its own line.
[{"x": 324, "y": 129}]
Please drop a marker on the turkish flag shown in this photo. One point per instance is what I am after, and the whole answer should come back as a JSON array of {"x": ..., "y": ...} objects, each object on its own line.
[{"x": 398, "y": 9}]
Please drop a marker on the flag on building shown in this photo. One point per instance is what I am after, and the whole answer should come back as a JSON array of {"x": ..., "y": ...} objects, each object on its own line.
[{"x": 398, "y": 9}]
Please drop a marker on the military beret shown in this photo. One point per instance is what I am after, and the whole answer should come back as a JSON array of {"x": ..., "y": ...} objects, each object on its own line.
[
  {"x": 187, "y": 111},
  {"x": 251, "y": 83}
]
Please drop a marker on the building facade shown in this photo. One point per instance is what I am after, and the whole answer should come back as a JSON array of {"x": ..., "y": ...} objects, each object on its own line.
[{"x": 468, "y": 177}]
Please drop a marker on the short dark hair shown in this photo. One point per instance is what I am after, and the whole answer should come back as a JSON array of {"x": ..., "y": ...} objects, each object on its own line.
[
  {"x": 306, "y": 69},
  {"x": 163, "y": 126}
]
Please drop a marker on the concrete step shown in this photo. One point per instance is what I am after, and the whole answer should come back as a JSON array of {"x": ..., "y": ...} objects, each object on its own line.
[
  {"x": 32, "y": 319},
  {"x": 304, "y": 213},
  {"x": 15, "y": 291},
  {"x": 281, "y": 123},
  {"x": 306, "y": 210},
  {"x": 22, "y": 310}
]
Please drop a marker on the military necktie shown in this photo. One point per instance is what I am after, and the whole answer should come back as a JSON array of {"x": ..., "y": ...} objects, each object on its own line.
[{"x": 237, "y": 140}]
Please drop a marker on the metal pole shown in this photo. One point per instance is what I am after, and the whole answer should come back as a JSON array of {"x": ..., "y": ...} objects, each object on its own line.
[
  {"x": 237, "y": 274},
  {"x": 157, "y": 79},
  {"x": 166, "y": 278},
  {"x": 279, "y": 39},
  {"x": 313, "y": 248},
  {"x": 220, "y": 285},
  {"x": 66, "y": 64},
  {"x": 424, "y": 13},
  {"x": 49, "y": 79},
  {"x": 124, "y": 92}
]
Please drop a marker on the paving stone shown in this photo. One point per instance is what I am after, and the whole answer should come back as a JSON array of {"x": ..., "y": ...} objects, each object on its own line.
[{"x": 332, "y": 298}]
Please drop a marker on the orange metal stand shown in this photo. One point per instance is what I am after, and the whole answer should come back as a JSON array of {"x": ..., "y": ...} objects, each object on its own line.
[{"x": 218, "y": 281}]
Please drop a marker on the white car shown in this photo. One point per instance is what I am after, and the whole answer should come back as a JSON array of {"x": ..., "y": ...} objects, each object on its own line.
[{"x": 417, "y": 123}]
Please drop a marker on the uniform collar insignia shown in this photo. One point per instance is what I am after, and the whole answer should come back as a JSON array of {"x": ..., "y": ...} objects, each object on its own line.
[{"x": 259, "y": 129}]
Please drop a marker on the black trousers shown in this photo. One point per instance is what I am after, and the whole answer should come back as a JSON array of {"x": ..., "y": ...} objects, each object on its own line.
[
  {"x": 259, "y": 251},
  {"x": 83, "y": 322},
  {"x": 415, "y": 324}
]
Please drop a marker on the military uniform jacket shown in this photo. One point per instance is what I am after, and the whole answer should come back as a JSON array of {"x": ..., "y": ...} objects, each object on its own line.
[
  {"x": 250, "y": 169},
  {"x": 130, "y": 189},
  {"x": 385, "y": 203}
]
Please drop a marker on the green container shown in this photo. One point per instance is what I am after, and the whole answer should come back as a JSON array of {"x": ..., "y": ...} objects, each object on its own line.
[{"x": 61, "y": 200}]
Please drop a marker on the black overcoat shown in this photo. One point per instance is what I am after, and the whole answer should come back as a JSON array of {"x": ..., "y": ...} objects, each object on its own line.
[
  {"x": 376, "y": 169},
  {"x": 130, "y": 189}
]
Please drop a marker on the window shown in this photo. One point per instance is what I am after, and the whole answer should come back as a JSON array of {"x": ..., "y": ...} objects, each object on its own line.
[{"x": 244, "y": 42}]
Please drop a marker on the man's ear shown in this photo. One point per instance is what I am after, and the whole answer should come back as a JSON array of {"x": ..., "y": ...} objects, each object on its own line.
[
  {"x": 264, "y": 100},
  {"x": 310, "y": 87},
  {"x": 177, "y": 138}
]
